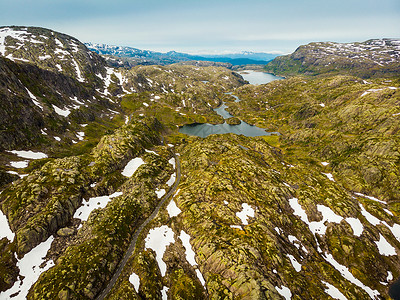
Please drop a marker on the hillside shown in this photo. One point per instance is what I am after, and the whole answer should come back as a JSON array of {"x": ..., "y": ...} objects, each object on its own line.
[
  {"x": 370, "y": 59},
  {"x": 103, "y": 198}
]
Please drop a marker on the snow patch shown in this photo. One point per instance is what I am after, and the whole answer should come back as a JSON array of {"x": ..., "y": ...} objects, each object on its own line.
[
  {"x": 160, "y": 193},
  {"x": 164, "y": 293},
  {"x": 61, "y": 112},
  {"x": 34, "y": 99},
  {"x": 84, "y": 211},
  {"x": 132, "y": 166},
  {"x": 370, "y": 197},
  {"x": 158, "y": 239},
  {"x": 284, "y": 292},
  {"x": 190, "y": 255},
  {"x": 31, "y": 266},
  {"x": 247, "y": 211},
  {"x": 384, "y": 247},
  {"x": 5, "y": 230},
  {"x": 19, "y": 164},
  {"x": 333, "y": 291},
  {"x": 171, "y": 180},
  {"x": 134, "y": 279},
  {"x": 29, "y": 154},
  {"x": 296, "y": 265},
  {"x": 329, "y": 175},
  {"x": 356, "y": 225},
  {"x": 349, "y": 276},
  {"x": 173, "y": 210}
]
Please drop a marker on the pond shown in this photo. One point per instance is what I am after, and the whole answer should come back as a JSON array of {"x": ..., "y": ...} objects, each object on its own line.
[
  {"x": 256, "y": 78},
  {"x": 204, "y": 130}
]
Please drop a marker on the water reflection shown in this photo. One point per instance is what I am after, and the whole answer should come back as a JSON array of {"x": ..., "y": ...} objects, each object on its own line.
[{"x": 204, "y": 130}]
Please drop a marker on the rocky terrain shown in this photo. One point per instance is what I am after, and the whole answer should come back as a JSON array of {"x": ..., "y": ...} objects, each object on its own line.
[
  {"x": 373, "y": 58},
  {"x": 88, "y": 151}
]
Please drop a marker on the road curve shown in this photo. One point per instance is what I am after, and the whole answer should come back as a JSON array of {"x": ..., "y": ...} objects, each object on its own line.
[{"x": 132, "y": 245}]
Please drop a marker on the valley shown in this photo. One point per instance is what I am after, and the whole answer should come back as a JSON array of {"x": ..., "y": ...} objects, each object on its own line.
[{"x": 104, "y": 196}]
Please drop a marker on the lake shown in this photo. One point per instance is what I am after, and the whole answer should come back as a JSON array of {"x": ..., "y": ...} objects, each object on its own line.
[
  {"x": 204, "y": 130},
  {"x": 254, "y": 77}
]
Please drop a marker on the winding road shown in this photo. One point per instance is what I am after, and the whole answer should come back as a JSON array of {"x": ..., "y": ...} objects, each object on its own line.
[{"x": 132, "y": 245}]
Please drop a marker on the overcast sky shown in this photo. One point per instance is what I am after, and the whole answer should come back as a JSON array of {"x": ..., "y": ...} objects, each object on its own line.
[{"x": 209, "y": 26}]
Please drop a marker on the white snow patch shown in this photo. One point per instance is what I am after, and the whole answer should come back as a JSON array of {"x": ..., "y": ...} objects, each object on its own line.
[
  {"x": 384, "y": 247},
  {"x": 29, "y": 154},
  {"x": 324, "y": 163},
  {"x": 190, "y": 255},
  {"x": 236, "y": 227},
  {"x": 61, "y": 112},
  {"x": 132, "y": 166},
  {"x": 322, "y": 104},
  {"x": 370, "y": 218},
  {"x": 172, "y": 209},
  {"x": 172, "y": 162},
  {"x": 80, "y": 135},
  {"x": 160, "y": 193},
  {"x": 247, "y": 211},
  {"x": 296, "y": 265},
  {"x": 171, "y": 180},
  {"x": 356, "y": 225},
  {"x": 370, "y": 197},
  {"x": 200, "y": 276},
  {"x": 350, "y": 277},
  {"x": 58, "y": 42},
  {"x": 390, "y": 276},
  {"x": 34, "y": 99},
  {"x": 135, "y": 280},
  {"x": 158, "y": 239},
  {"x": 164, "y": 293},
  {"x": 5, "y": 230},
  {"x": 149, "y": 151},
  {"x": 145, "y": 104},
  {"x": 284, "y": 292},
  {"x": 44, "y": 57},
  {"x": 329, "y": 175},
  {"x": 388, "y": 212},
  {"x": 84, "y": 211},
  {"x": 78, "y": 71},
  {"x": 57, "y": 138},
  {"x": 333, "y": 291},
  {"x": 19, "y": 164},
  {"x": 315, "y": 227},
  {"x": 31, "y": 266}
]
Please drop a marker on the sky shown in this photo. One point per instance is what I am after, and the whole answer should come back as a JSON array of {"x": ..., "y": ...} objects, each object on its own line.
[{"x": 209, "y": 26}]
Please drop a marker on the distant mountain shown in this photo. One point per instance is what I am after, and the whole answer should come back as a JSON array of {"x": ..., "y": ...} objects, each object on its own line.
[
  {"x": 143, "y": 57},
  {"x": 372, "y": 58}
]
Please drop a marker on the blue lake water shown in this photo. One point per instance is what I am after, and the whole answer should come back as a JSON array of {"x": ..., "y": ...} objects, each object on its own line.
[
  {"x": 204, "y": 130},
  {"x": 255, "y": 77}
]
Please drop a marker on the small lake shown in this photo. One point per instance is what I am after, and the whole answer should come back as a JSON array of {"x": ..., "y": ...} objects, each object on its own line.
[
  {"x": 256, "y": 78},
  {"x": 204, "y": 130}
]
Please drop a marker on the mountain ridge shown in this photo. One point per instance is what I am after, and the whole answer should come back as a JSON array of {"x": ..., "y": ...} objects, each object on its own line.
[
  {"x": 372, "y": 58},
  {"x": 154, "y": 57}
]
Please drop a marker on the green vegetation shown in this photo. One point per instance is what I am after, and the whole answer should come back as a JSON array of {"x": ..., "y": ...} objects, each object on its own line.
[{"x": 339, "y": 136}]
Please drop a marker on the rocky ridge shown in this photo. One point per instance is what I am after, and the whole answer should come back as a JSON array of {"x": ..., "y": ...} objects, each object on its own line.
[{"x": 373, "y": 58}]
